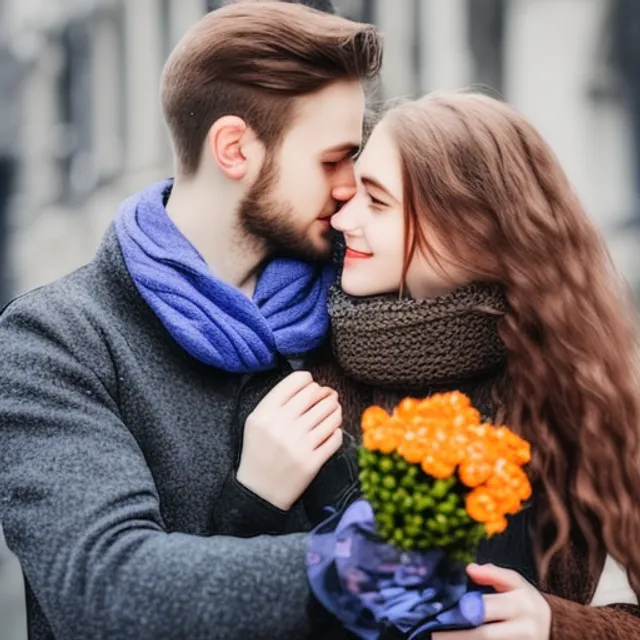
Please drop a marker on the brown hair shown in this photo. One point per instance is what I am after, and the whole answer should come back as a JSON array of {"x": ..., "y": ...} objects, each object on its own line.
[
  {"x": 250, "y": 59},
  {"x": 482, "y": 181}
]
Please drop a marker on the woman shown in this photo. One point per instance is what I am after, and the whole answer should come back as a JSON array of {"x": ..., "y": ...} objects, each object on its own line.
[{"x": 471, "y": 265}]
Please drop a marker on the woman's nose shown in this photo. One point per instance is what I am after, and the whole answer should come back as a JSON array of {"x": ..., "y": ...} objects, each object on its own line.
[{"x": 345, "y": 220}]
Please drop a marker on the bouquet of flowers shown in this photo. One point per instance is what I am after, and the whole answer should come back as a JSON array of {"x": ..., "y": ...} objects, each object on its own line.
[{"x": 435, "y": 481}]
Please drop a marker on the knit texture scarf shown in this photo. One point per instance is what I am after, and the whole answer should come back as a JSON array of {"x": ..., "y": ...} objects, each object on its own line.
[
  {"x": 212, "y": 320},
  {"x": 402, "y": 343}
]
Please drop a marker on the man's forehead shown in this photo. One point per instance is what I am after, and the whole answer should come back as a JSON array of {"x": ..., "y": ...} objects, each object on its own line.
[
  {"x": 333, "y": 116},
  {"x": 328, "y": 136}
]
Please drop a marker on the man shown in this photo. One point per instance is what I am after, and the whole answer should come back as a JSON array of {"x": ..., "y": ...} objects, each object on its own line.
[{"x": 123, "y": 386}]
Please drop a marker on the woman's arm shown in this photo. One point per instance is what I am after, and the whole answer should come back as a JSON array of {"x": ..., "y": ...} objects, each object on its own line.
[{"x": 572, "y": 621}]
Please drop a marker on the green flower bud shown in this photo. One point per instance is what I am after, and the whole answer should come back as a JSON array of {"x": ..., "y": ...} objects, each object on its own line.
[
  {"x": 423, "y": 503},
  {"x": 390, "y": 508},
  {"x": 442, "y": 487},
  {"x": 407, "y": 543},
  {"x": 400, "y": 495},
  {"x": 453, "y": 499},
  {"x": 407, "y": 503},
  {"x": 413, "y": 471},
  {"x": 463, "y": 557},
  {"x": 444, "y": 540},
  {"x": 389, "y": 482},
  {"x": 432, "y": 525},
  {"x": 412, "y": 532},
  {"x": 408, "y": 481},
  {"x": 385, "y": 465},
  {"x": 445, "y": 507}
]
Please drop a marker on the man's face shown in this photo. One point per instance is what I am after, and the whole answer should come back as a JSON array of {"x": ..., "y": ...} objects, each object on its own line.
[{"x": 290, "y": 204}]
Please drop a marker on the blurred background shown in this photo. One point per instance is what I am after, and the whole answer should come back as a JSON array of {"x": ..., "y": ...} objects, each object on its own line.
[{"x": 80, "y": 124}]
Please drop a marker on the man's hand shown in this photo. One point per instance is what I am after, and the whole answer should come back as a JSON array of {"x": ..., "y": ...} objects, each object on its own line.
[
  {"x": 517, "y": 612},
  {"x": 287, "y": 439}
]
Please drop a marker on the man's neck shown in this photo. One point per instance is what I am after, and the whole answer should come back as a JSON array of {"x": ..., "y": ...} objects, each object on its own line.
[{"x": 209, "y": 222}]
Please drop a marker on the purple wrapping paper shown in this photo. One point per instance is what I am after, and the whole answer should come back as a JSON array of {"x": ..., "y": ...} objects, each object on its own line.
[{"x": 370, "y": 585}]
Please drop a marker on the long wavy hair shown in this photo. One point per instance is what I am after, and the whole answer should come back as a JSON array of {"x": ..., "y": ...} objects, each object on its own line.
[{"x": 483, "y": 190}]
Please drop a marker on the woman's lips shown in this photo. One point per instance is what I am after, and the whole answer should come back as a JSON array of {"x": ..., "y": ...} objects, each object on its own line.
[{"x": 352, "y": 254}]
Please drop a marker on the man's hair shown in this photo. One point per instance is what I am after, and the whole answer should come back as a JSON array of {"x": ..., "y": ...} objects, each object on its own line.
[
  {"x": 250, "y": 59},
  {"x": 320, "y": 5}
]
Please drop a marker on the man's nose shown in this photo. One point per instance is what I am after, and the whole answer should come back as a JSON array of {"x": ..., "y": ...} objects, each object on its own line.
[{"x": 344, "y": 186}]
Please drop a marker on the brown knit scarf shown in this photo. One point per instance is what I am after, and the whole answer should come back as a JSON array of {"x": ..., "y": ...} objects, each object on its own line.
[{"x": 402, "y": 343}]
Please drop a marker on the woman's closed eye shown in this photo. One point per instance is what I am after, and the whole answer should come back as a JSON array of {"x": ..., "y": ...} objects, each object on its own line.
[{"x": 376, "y": 202}]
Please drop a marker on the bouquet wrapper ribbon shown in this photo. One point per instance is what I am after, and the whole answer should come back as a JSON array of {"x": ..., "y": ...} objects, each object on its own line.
[{"x": 370, "y": 585}]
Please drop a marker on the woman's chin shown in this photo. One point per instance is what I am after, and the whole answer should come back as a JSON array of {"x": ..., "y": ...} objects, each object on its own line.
[
  {"x": 349, "y": 287},
  {"x": 357, "y": 289}
]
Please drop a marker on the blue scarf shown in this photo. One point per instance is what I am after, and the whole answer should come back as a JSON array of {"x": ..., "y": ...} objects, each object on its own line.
[{"x": 210, "y": 319}]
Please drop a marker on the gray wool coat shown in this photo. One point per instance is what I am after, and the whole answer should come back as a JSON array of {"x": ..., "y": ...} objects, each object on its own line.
[{"x": 117, "y": 485}]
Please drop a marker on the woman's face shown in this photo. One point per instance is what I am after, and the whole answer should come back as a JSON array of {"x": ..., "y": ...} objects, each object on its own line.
[{"x": 373, "y": 226}]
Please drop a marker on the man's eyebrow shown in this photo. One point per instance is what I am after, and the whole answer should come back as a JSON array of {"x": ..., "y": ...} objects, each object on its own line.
[
  {"x": 368, "y": 181},
  {"x": 351, "y": 147}
]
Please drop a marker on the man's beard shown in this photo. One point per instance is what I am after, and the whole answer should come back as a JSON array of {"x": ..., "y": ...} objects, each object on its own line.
[{"x": 272, "y": 223}]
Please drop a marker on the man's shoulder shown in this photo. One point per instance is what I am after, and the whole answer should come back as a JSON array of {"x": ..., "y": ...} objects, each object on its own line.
[
  {"x": 69, "y": 309},
  {"x": 94, "y": 289},
  {"x": 64, "y": 294},
  {"x": 55, "y": 330}
]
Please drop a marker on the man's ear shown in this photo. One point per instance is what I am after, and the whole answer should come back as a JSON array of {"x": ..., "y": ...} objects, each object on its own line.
[{"x": 225, "y": 145}]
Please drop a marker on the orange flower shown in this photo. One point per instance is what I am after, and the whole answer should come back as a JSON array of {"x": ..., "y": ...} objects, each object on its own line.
[
  {"x": 412, "y": 447},
  {"x": 513, "y": 446},
  {"x": 437, "y": 468},
  {"x": 481, "y": 505},
  {"x": 407, "y": 408},
  {"x": 473, "y": 473},
  {"x": 481, "y": 451},
  {"x": 374, "y": 417},
  {"x": 368, "y": 440},
  {"x": 496, "y": 526},
  {"x": 520, "y": 483},
  {"x": 380, "y": 440}
]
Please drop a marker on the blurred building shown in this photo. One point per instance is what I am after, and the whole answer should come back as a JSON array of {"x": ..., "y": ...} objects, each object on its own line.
[
  {"x": 92, "y": 129},
  {"x": 91, "y": 111}
]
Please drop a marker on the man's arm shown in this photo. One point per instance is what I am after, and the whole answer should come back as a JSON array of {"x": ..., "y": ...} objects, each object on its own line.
[{"x": 81, "y": 511}]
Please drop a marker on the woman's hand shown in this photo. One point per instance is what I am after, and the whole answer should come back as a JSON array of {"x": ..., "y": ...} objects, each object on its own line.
[
  {"x": 288, "y": 438},
  {"x": 517, "y": 612}
]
